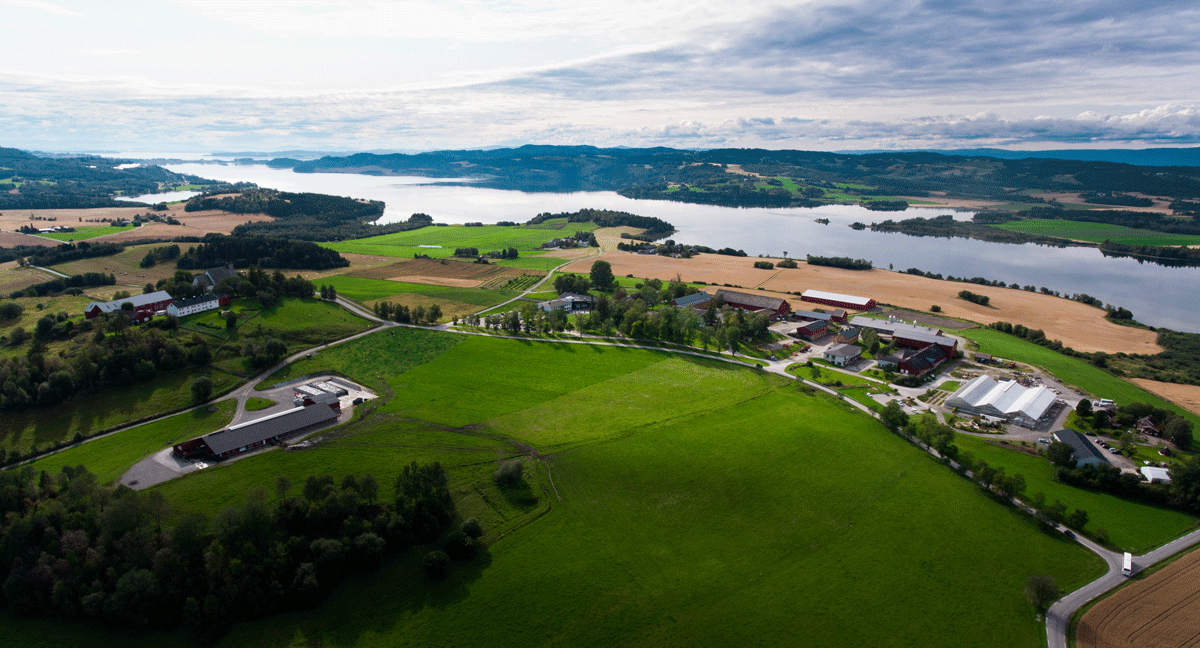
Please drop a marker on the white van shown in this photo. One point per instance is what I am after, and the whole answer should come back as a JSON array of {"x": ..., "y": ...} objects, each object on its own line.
[{"x": 1127, "y": 567}]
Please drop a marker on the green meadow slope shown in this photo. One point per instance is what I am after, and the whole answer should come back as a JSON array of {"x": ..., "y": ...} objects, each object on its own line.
[{"x": 667, "y": 500}]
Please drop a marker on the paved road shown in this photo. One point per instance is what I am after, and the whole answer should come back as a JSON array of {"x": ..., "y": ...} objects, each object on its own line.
[{"x": 1059, "y": 614}]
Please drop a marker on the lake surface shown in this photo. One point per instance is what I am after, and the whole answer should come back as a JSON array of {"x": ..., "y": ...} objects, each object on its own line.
[
  {"x": 1157, "y": 295},
  {"x": 155, "y": 198}
]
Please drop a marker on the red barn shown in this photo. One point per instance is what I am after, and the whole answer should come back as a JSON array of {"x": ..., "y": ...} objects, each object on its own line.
[
  {"x": 837, "y": 300},
  {"x": 145, "y": 306}
]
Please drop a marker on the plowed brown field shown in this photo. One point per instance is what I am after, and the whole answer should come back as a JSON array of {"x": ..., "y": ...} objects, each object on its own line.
[
  {"x": 1079, "y": 326},
  {"x": 1162, "y": 611}
]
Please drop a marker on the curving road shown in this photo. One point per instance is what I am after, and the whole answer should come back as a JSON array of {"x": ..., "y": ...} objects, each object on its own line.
[{"x": 1059, "y": 615}]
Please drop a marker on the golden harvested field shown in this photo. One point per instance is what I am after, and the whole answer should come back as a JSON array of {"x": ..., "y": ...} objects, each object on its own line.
[
  {"x": 194, "y": 223},
  {"x": 124, "y": 266},
  {"x": 13, "y": 277},
  {"x": 1079, "y": 326},
  {"x": 439, "y": 273},
  {"x": 1185, "y": 396},
  {"x": 1162, "y": 611}
]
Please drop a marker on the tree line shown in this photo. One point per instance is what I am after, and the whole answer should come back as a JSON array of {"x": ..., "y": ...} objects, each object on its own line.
[
  {"x": 840, "y": 262},
  {"x": 656, "y": 228},
  {"x": 73, "y": 549},
  {"x": 264, "y": 252}
]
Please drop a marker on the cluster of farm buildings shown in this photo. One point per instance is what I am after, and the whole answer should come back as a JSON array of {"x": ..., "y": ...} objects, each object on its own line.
[
  {"x": 314, "y": 405},
  {"x": 146, "y": 306}
]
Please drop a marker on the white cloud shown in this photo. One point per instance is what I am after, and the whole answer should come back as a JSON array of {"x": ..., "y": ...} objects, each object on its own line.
[{"x": 45, "y": 6}]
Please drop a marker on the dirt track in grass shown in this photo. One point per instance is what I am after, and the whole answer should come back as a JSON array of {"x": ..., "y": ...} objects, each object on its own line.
[{"x": 1079, "y": 326}]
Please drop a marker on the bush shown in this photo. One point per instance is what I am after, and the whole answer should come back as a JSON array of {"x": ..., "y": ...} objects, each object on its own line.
[
  {"x": 472, "y": 528},
  {"x": 764, "y": 265},
  {"x": 201, "y": 389},
  {"x": 435, "y": 564},
  {"x": 935, "y": 309},
  {"x": 509, "y": 472},
  {"x": 982, "y": 300},
  {"x": 460, "y": 546}
]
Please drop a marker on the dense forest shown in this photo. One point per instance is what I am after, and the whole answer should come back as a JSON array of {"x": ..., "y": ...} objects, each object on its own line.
[
  {"x": 305, "y": 216},
  {"x": 945, "y": 226},
  {"x": 244, "y": 251},
  {"x": 656, "y": 228},
  {"x": 28, "y": 181},
  {"x": 73, "y": 549}
]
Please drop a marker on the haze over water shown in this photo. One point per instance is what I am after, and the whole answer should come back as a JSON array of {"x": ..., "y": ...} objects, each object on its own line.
[{"x": 1157, "y": 295}]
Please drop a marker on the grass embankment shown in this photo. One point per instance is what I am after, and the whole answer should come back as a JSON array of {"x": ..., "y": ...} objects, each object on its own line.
[
  {"x": 1072, "y": 371},
  {"x": 1132, "y": 526},
  {"x": 109, "y": 457},
  {"x": 701, "y": 503},
  {"x": 1098, "y": 232}
]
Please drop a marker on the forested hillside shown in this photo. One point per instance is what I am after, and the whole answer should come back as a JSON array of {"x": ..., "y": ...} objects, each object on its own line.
[{"x": 31, "y": 182}]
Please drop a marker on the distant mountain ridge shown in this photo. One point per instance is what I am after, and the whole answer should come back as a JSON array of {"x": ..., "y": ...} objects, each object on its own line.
[{"x": 1139, "y": 157}]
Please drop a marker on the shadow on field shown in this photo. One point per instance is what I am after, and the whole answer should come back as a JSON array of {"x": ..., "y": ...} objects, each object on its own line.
[
  {"x": 519, "y": 495},
  {"x": 376, "y": 603}
]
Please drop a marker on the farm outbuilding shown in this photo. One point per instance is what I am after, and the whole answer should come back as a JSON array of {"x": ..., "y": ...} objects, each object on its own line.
[
  {"x": 269, "y": 429},
  {"x": 842, "y": 354},
  {"x": 1154, "y": 474},
  {"x": 147, "y": 304},
  {"x": 192, "y": 305},
  {"x": 1084, "y": 452},
  {"x": 1007, "y": 400},
  {"x": 774, "y": 306},
  {"x": 837, "y": 300},
  {"x": 698, "y": 300},
  {"x": 812, "y": 330}
]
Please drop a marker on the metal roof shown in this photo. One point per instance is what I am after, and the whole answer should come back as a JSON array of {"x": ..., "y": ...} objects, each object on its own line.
[
  {"x": 843, "y": 351},
  {"x": 1081, "y": 448},
  {"x": 849, "y": 299},
  {"x": 813, "y": 315},
  {"x": 137, "y": 301},
  {"x": 1007, "y": 397},
  {"x": 272, "y": 425},
  {"x": 757, "y": 301},
  {"x": 694, "y": 299}
]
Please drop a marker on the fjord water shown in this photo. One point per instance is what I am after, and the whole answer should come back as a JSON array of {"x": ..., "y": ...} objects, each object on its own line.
[{"x": 1157, "y": 295}]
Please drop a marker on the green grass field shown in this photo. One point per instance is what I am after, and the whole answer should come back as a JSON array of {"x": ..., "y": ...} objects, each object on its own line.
[
  {"x": 1073, "y": 371},
  {"x": 89, "y": 414},
  {"x": 678, "y": 501},
  {"x": 109, "y": 457},
  {"x": 1098, "y": 232},
  {"x": 700, "y": 504},
  {"x": 1132, "y": 526},
  {"x": 445, "y": 239},
  {"x": 85, "y": 232}
]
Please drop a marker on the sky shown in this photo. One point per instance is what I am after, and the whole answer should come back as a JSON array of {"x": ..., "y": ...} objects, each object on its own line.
[{"x": 266, "y": 75}]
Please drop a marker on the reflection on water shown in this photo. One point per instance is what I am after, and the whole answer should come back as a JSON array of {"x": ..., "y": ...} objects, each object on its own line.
[{"x": 1157, "y": 295}]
